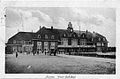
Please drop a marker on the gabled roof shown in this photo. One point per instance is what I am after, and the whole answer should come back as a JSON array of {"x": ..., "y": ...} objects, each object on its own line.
[
  {"x": 22, "y": 36},
  {"x": 61, "y": 32},
  {"x": 47, "y": 31},
  {"x": 94, "y": 35},
  {"x": 58, "y": 33}
]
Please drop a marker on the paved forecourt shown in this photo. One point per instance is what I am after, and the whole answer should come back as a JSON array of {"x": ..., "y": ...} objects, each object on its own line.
[{"x": 58, "y": 64}]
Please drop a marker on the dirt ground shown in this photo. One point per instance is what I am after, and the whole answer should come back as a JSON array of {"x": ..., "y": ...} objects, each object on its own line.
[{"x": 60, "y": 64}]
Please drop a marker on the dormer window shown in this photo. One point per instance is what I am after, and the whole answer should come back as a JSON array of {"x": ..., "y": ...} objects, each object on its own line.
[
  {"x": 92, "y": 39},
  {"x": 103, "y": 39},
  {"x": 99, "y": 39},
  {"x": 46, "y": 36},
  {"x": 39, "y": 36},
  {"x": 83, "y": 36},
  {"x": 52, "y": 37},
  {"x": 71, "y": 30},
  {"x": 64, "y": 35}
]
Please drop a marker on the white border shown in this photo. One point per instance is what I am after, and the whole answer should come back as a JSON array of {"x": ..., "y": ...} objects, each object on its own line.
[{"x": 61, "y": 3}]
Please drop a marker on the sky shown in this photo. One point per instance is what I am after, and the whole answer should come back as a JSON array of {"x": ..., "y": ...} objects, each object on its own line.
[{"x": 100, "y": 20}]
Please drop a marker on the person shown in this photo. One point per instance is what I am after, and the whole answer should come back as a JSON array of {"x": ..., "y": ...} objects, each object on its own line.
[
  {"x": 38, "y": 51},
  {"x": 45, "y": 51},
  {"x": 50, "y": 51},
  {"x": 16, "y": 54},
  {"x": 34, "y": 52},
  {"x": 55, "y": 51}
]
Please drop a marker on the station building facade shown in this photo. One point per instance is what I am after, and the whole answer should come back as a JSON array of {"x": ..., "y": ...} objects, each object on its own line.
[{"x": 64, "y": 40}]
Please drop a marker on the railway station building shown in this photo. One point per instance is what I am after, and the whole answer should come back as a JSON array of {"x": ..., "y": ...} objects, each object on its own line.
[{"x": 64, "y": 40}]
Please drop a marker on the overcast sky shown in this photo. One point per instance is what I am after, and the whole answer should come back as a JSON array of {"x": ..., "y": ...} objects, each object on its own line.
[{"x": 101, "y": 20}]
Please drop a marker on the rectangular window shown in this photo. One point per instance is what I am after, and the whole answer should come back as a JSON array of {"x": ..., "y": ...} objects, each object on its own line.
[
  {"x": 74, "y": 42},
  {"x": 52, "y": 46},
  {"x": 46, "y": 46},
  {"x": 39, "y": 45},
  {"x": 82, "y": 42},
  {"x": 45, "y": 43},
  {"x": 64, "y": 41},
  {"x": 98, "y": 44}
]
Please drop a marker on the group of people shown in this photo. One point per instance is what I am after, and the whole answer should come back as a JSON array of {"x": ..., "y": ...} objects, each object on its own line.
[{"x": 50, "y": 52}]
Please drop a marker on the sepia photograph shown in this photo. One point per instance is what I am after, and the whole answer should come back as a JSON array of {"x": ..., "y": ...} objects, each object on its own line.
[{"x": 60, "y": 40}]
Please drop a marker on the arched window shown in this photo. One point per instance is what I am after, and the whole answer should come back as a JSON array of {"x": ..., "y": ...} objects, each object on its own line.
[
  {"x": 46, "y": 36},
  {"x": 71, "y": 30},
  {"x": 103, "y": 39},
  {"x": 52, "y": 37},
  {"x": 83, "y": 35},
  {"x": 39, "y": 36}
]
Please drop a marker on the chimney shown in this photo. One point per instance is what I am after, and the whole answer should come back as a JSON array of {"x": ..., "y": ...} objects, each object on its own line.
[
  {"x": 86, "y": 31},
  {"x": 51, "y": 27}
]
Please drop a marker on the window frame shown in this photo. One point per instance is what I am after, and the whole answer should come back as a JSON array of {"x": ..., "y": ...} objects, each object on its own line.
[
  {"x": 46, "y": 36},
  {"x": 52, "y": 37},
  {"x": 39, "y": 36}
]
